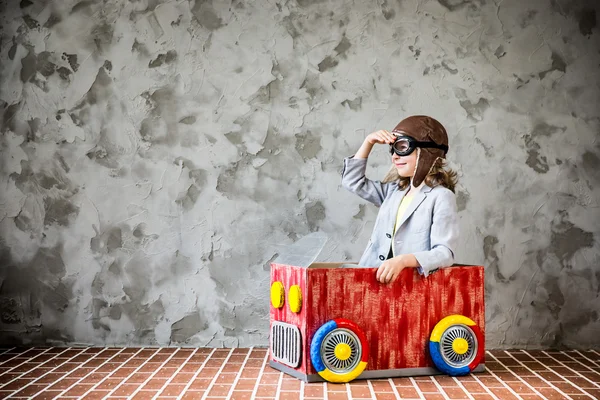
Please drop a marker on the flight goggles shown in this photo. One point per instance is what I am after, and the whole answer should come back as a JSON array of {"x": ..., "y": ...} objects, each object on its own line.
[{"x": 404, "y": 145}]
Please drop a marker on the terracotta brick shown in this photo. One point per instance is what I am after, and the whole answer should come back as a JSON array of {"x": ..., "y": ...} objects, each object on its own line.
[
  {"x": 385, "y": 396},
  {"x": 243, "y": 395},
  {"x": 595, "y": 393},
  {"x": 564, "y": 371},
  {"x": 490, "y": 381},
  {"x": 94, "y": 378},
  {"x": 236, "y": 359},
  {"x": 200, "y": 384},
  {"x": 7, "y": 377},
  {"x": 567, "y": 388},
  {"x": 266, "y": 391},
  {"x": 78, "y": 390},
  {"x": 473, "y": 387},
  {"x": 182, "y": 377},
  {"x": 234, "y": 368},
  {"x": 360, "y": 392},
  {"x": 258, "y": 353},
  {"x": 197, "y": 358},
  {"x": 250, "y": 372},
  {"x": 582, "y": 383},
  {"x": 109, "y": 384},
  {"x": 313, "y": 390},
  {"x": 289, "y": 396},
  {"x": 66, "y": 367},
  {"x": 36, "y": 373},
  {"x": 249, "y": 384},
  {"x": 219, "y": 390},
  {"x": 144, "y": 395},
  {"x": 193, "y": 395},
  {"x": 520, "y": 387},
  {"x": 174, "y": 363},
  {"x": 502, "y": 393},
  {"x": 125, "y": 389},
  {"x": 165, "y": 372},
  {"x": 446, "y": 381},
  {"x": 80, "y": 372},
  {"x": 30, "y": 390},
  {"x": 536, "y": 382},
  {"x": 547, "y": 361},
  {"x": 535, "y": 366},
  {"x": 433, "y": 396},
  {"x": 551, "y": 376},
  {"x": 507, "y": 376},
  {"x": 107, "y": 353},
  {"x": 138, "y": 377},
  {"x": 522, "y": 371},
  {"x": 290, "y": 385},
  {"x": 550, "y": 393},
  {"x": 225, "y": 377},
  {"x": 167, "y": 350},
  {"x": 45, "y": 395},
  {"x": 108, "y": 367},
  {"x": 191, "y": 367},
  {"x": 407, "y": 392},
  {"x": 96, "y": 395},
  {"x": 172, "y": 390},
  {"x": 455, "y": 393},
  {"x": 269, "y": 379},
  {"x": 337, "y": 396},
  {"x": 510, "y": 362},
  {"x": 63, "y": 384},
  {"x": 209, "y": 372},
  {"x": 482, "y": 396},
  {"x": 93, "y": 363},
  {"x": 521, "y": 356},
  {"x": 158, "y": 358},
  {"x": 154, "y": 384},
  {"x": 122, "y": 372},
  {"x": 254, "y": 363},
  {"x": 402, "y": 382},
  {"x": 332, "y": 387},
  {"x": 593, "y": 376},
  {"x": 52, "y": 377},
  {"x": 221, "y": 353},
  {"x": 134, "y": 363},
  {"x": 381, "y": 386},
  {"x": 427, "y": 387}
]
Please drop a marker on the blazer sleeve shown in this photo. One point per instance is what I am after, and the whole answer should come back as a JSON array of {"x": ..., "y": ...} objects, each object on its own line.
[
  {"x": 444, "y": 235},
  {"x": 354, "y": 180}
]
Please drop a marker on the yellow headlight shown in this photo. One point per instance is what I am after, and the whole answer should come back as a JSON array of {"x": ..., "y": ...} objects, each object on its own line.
[
  {"x": 295, "y": 298},
  {"x": 277, "y": 294}
]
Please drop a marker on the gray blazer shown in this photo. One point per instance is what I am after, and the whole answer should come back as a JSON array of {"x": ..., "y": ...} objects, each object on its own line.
[{"x": 429, "y": 227}]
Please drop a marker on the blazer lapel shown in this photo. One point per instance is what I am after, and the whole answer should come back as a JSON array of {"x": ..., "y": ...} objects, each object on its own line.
[{"x": 416, "y": 201}]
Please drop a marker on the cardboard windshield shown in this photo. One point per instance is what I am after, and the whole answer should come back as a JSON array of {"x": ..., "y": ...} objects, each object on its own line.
[{"x": 304, "y": 251}]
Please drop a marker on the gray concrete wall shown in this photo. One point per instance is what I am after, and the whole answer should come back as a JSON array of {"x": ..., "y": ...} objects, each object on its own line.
[{"x": 156, "y": 155}]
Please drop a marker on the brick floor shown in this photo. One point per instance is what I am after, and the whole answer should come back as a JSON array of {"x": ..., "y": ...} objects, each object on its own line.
[{"x": 181, "y": 373}]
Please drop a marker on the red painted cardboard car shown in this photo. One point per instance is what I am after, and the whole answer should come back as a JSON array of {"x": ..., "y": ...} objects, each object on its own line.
[{"x": 335, "y": 322}]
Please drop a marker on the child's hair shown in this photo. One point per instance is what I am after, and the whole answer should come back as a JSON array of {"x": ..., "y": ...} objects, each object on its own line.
[{"x": 438, "y": 175}]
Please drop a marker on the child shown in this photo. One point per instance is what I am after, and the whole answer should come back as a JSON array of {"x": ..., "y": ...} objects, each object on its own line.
[{"x": 416, "y": 226}]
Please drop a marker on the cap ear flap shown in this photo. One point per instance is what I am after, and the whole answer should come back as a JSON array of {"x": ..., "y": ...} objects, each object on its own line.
[{"x": 425, "y": 161}]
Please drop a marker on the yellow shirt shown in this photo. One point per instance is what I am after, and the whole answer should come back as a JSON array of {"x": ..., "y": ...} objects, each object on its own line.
[{"x": 401, "y": 210}]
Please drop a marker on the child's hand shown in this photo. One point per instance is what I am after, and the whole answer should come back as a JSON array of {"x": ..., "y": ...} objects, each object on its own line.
[
  {"x": 389, "y": 270},
  {"x": 381, "y": 137}
]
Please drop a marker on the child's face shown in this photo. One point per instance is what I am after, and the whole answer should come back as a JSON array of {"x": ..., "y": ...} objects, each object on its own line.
[{"x": 405, "y": 164}]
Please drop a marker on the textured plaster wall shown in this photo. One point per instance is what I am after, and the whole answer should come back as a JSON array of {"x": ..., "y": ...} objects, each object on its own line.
[{"x": 156, "y": 155}]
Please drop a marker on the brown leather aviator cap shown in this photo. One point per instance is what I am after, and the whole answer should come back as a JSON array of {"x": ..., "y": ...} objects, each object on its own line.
[{"x": 424, "y": 129}]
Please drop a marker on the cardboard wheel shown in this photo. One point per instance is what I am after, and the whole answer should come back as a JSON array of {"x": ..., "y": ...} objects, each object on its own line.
[
  {"x": 455, "y": 345},
  {"x": 339, "y": 351}
]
